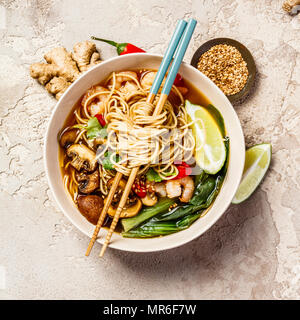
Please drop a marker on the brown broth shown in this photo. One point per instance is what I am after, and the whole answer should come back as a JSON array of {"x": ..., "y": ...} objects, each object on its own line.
[{"x": 194, "y": 95}]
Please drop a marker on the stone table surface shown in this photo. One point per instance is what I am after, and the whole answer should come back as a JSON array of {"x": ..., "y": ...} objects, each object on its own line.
[{"x": 252, "y": 252}]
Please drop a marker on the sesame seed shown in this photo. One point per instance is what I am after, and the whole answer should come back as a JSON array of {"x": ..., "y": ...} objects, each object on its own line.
[{"x": 225, "y": 66}]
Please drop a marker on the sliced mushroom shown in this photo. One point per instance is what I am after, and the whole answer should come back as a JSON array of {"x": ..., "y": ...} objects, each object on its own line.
[
  {"x": 121, "y": 185},
  {"x": 127, "y": 212},
  {"x": 150, "y": 199},
  {"x": 67, "y": 138},
  {"x": 133, "y": 205},
  {"x": 83, "y": 157},
  {"x": 90, "y": 207},
  {"x": 87, "y": 183},
  {"x": 99, "y": 141}
]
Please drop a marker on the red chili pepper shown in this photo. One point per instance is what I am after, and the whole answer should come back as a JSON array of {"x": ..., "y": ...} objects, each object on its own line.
[
  {"x": 122, "y": 48},
  {"x": 139, "y": 188},
  {"x": 125, "y": 48},
  {"x": 183, "y": 170},
  {"x": 178, "y": 82},
  {"x": 130, "y": 48},
  {"x": 101, "y": 120}
]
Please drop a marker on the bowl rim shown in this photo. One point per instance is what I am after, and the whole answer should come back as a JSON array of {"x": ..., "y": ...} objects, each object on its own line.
[{"x": 114, "y": 245}]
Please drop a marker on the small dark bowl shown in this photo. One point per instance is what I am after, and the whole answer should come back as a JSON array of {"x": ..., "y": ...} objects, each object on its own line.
[{"x": 247, "y": 56}]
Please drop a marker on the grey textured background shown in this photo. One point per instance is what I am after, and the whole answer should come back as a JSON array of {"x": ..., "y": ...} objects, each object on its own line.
[{"x": 251, "y": 253}]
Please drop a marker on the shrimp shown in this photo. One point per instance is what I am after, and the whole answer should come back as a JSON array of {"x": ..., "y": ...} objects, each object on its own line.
[
  {"x": 122, "y": 77},
  {"x": 160, "y": 188},
  {"x": 128, "y": 89},
  {"x": 97, "y": 105},
  {"x": 157, "y": 187},
  {"x": 173, "y": 188},
  {"x": 148, "y": 78}
]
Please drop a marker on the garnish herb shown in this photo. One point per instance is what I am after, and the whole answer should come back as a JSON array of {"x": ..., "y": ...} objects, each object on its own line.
[
  {"x": 94, "y": 129},
  {"x": 106, "y": 163},
  {"x": 152, "y": 175}
]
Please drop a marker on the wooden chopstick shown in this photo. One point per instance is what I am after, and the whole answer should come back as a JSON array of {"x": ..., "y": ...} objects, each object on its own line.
[
  {"x": 109, "y": 199},
  {"x": 133, "y": 173},
  {"x": 161, "y": 102},
  {"x": 126, "y": 191},
  {"x": 153, "y": 91},
  {"x": 121, "y": 205}
]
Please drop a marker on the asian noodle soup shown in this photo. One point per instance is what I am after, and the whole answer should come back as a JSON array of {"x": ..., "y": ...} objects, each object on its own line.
[{"x": 111, "y": 129}]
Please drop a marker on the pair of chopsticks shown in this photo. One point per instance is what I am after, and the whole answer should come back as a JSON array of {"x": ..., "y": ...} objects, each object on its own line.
[{"x": 177, "y": 48}]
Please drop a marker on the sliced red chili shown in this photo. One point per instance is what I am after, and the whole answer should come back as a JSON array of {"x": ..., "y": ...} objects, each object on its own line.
[
  {"x": 183, "y": 170},
  {"x": 178, "y": 82},
  {"x": 139, "y": 188},
  {"x": 101, "y": 120}
]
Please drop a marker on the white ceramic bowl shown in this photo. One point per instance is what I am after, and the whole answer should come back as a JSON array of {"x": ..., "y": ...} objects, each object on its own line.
[{"x": 212, "y": 92}]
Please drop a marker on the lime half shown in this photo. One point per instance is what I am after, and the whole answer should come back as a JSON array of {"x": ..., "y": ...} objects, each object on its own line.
[
  {"x": 210, "y": 148},
  {"x": 257, "y": 162}
]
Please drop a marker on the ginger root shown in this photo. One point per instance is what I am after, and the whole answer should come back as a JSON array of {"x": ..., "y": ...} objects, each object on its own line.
[
  {"x": 57, "y": 86},
  {"x": 63, "y": 68},
  {"x": 291, "y": 6},
  {"x": 86, "y": 55}
]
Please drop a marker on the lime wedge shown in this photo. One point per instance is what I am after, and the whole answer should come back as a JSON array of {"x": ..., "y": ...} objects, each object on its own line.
[
  {"x": 257, "y": 162},
  {"x": 218, "y": 117},
  {"x": 210, "y": 148}
]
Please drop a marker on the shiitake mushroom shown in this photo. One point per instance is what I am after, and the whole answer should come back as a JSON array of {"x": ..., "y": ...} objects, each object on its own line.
[
  {"x": 90, "y": 207},
  {"x": 83, "y": 157},
  {"x": 67, "y": 138},
  {"x": 87, "y": 183}
]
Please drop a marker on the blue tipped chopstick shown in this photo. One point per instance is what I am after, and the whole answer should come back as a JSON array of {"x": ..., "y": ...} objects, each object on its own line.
[
  {"x": 180, "y": 41},
  {"x": 168, "y": 56},
  {"x": 180, "y": 52},
  {"x": 184, "y": 42}
]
